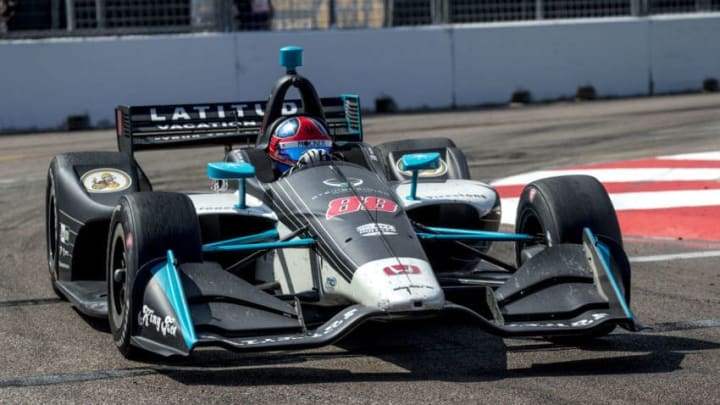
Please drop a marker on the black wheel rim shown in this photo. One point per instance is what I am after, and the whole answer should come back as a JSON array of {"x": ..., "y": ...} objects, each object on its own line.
[
  {"x": 118, "y": 261},
  {"x": 530, "y": 225}
]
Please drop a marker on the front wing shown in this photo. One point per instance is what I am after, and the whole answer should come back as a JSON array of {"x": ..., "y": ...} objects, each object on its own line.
[{"x": 180, "y": 308}]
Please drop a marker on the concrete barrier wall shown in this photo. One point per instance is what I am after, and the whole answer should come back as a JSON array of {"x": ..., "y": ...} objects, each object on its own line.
[
  {"x": 684, "y": 52},
  {"x": 551, "y": 60},
  {"x": 42, "y": 82}
]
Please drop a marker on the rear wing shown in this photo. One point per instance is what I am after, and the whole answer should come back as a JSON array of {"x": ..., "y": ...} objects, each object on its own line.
[{"x": 188, "y": 125}]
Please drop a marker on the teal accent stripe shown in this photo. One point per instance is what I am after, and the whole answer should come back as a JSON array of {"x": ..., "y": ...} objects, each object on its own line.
[
  {"x": 455, "y": 232},
  {"x": 167, "y": 276},
  {"x": 258, "y": 246},
  {"x": 270, "y": 234},
  {"x": 604, "y": 254}
]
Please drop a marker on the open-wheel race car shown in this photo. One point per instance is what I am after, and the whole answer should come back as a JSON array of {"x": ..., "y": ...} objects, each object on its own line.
[{"x": 276, "y": 260}]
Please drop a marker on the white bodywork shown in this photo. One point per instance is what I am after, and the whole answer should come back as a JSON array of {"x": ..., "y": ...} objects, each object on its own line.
[
  {"x": 391, "y": 284},
  {"x": 476, "y": 193},
  {"x": 224, "y": 203}
]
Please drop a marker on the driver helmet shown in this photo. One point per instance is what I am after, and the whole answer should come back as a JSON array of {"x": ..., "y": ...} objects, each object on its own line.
[{"x": 293, "y": 136}]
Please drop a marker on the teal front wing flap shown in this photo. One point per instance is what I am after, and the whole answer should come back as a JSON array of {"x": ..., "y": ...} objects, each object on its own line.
[
  {"x": 168, "y": 278},
  {"x": 604, "y": 254}
]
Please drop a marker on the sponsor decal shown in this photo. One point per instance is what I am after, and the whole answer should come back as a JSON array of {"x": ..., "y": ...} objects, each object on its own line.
[
  {"x": 348, "y": 205},
  {"x": 376, "y": 229},
  {"x": 531, "y": 194},
  {"x": 576, "y": 324},
  {"x": 214, "y": 208},
  {"x": 202, "y": 125},
  {"x": 351, "y": 181},
  {"x": 440, "y": 171},
  {"x": 459, "y": 195},
  {"x": 219, "y": 186},
  {"x": 64, "y": 252},
  {"x": 64, "y": 234},
  {"x": 339, "y": 321},
  {"x": 202, "y": 112},
  {"x": 105, "y": 180},
  {"x": 336, "y": 324},
  {"x": 371, "y": 153},
  {"x": 307, "y": 143},
  {"x": 129, "y": 241},
  {"x": 398, "y": 269},
  {"x": 166, "y": 326},
  {"x": 173, "y": 117},
  {"x": 336, "y": 190}
]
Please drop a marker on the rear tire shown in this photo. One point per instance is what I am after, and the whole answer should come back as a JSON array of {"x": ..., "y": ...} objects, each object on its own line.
[
  {"x": 143, "y": 227},
  {"x": 560, "y": 208}
]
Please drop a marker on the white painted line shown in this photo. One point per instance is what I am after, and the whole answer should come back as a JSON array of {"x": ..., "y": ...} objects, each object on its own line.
[
  {"x": 693, "y": 156},
  {"x": 665, "y": 199},
  {"x": 675, "y": 256},
  {"x": 617, "y": 175}
]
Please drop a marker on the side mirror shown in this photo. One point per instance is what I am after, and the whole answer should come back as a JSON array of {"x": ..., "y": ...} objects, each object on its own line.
[
  {"x": 232, "y": 171},
  {"x": 414, "y": 162}
]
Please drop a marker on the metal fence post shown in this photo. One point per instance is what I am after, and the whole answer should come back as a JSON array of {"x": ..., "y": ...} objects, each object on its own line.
[
  {"x": 638, "y": 8},
  {"x": 539, "y": 10},
  {"x": 332, "y": 17},
  {"x": 54, "y": 14},
  {"x": 226, "y": 15},
  {"x": 445, "y": 11},
  {"x": 70, "y": 14},
  {"x": 434, "y": 12},
  {"x": 100, "y": 14},
  {"x": 389, "y": 12},
  {"x": 703, "y": 5}
]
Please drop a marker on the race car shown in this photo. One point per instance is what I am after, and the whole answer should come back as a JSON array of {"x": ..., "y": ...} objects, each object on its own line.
[{"x": 267, "y": 260}]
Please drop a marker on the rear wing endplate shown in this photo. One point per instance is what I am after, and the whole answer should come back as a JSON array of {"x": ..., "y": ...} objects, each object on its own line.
[{"x": 189, "y": 125}]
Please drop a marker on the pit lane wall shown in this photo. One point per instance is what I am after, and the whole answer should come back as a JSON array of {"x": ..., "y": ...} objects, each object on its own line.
[{"x": 42, "y": 82}]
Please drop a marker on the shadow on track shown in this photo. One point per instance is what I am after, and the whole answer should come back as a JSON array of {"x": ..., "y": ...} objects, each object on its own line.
[{"x": 437, "y": 350}]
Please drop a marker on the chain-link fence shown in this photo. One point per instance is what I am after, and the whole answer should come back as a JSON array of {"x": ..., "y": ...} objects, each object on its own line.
[{"x": 101, "y": 17}]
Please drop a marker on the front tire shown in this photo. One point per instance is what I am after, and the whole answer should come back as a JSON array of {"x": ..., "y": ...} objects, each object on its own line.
[
  {"x": 559, "y": 208},
  {"x": 143, "y": 227},
  {"x": 52, "y": 234}
]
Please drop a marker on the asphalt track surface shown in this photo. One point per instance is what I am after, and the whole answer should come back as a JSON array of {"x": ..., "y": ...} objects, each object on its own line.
[{"x": 51, "y": 354}]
